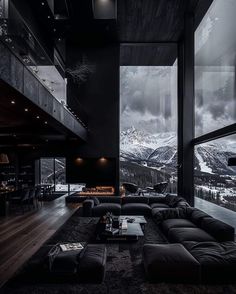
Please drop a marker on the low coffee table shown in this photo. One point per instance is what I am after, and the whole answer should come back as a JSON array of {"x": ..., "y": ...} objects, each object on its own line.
[{"x": 135, "y": 227}]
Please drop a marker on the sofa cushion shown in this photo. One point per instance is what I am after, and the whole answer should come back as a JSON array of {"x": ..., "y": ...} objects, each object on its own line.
[
  {"x": 134, "y": 199},
  {"x": 218, "y": 260},
  {"x": 218, "y": 229},
  {"x": 95, "y": 200},
  {"x": 103, "y": 208},
  {"x": 168, "y": 224},
  {"x": 159, "y": 205},
  {"x": 197, "y": 216},
  {"x": 173, "y": 201},
  {"x": 179, "y": 235},
  {"x": 160, "y": 214},
  {"x": 136, "y": 209},
  {"x": 170, "y": 262}
]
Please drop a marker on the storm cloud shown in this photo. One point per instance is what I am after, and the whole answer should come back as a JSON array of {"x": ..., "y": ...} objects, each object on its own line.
[{"x": 149, "y": 98}]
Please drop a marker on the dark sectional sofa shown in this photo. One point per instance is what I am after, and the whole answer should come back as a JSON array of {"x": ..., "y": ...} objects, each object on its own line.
[
  {"x": 131, "y": 205},
  {"x": 201, "y": 248}
]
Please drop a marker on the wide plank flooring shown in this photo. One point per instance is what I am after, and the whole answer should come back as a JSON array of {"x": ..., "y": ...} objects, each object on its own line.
[{"x": 23, "y": 234}]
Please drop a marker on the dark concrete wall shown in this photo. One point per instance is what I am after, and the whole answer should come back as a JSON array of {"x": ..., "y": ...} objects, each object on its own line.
[{"x": 99, "y": 96}]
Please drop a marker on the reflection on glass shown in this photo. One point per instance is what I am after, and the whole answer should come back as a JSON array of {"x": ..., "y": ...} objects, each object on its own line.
[
  {"x": 47, "y": 170},
  {"x": 17, "y": 35},
  {"x": 60, "y": 175},
  {"x": 148, "y": 122},
  {"x": 215, "y": 181},
  {"x": 215, "y": 57}
]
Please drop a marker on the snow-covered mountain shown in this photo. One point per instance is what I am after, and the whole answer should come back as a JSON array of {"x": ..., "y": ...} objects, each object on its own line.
[
  {"x": 159, "y": 149},
  {"x": 143, "y": 146}
]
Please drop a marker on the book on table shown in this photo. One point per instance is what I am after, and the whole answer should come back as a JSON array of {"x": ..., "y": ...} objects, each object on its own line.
[{"x": 71, "y": 246}]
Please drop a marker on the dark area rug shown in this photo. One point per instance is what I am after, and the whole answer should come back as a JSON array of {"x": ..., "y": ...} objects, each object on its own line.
[{"x": 124, "y": 271}]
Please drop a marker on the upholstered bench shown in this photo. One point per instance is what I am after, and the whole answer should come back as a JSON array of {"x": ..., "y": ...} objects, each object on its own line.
[
  {"x": 88, "y": 265},
  {"x": 170, "y": 263}
]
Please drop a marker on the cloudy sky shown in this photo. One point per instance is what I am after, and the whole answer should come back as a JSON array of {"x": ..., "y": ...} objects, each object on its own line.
[
  {"x": 148, "y": 94},
  {"x": 148, "y": 98}
]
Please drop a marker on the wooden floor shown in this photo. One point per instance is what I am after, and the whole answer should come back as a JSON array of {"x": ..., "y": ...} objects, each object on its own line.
[{"x": 23, "y": 234}]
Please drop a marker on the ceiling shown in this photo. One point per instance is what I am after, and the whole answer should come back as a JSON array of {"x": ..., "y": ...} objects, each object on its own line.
[{"x": 139, "y": 22}]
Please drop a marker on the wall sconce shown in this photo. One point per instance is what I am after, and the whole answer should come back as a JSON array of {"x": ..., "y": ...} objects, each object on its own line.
[
  {"x": 4, "y": 158},
  {"x": 104, "y": 9}
]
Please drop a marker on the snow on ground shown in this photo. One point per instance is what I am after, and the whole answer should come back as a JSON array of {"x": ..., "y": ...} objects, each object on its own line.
[{"x": 203, "y": 165}]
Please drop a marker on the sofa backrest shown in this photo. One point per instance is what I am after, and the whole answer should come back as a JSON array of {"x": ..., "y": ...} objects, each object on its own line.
[
  {"x": 197, "y": 216},
  {"x": 218, "y": 229},
  {"x": 156, "y": 199},
  {"x": 109, "y": 199},
  {"x": 135, "y": 199}
]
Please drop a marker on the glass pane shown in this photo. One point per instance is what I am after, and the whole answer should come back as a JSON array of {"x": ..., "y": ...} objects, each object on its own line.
[
  {"x": 215, "y": 188},
  {"x": 47, "y": 170},
  {"x": 215, "y": 57},
  {"x": 60, "y": 174},
  {"x": 148, "y": 122}
]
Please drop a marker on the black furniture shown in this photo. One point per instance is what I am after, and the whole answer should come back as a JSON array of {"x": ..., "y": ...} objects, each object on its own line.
[
  {"x": 201, "y": 248},
  {"x": 130, "y": 188},
  {"x": 135, "y": 227},
  {"x": 87, "y": 266},
  {"x": 131, "y": 205},
  {"x": 170, "y": 263},
  {"x": 160, "y": 187}
]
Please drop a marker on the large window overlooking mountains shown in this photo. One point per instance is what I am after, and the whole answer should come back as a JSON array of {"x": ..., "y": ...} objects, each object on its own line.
[
  {"x": 215, "y": 108},
  {"x": 148, "y": 125},
  {"x": 53, "y": 172},
  {"x": 214, "y": 179},
  {"x": 215, "y": 58}
]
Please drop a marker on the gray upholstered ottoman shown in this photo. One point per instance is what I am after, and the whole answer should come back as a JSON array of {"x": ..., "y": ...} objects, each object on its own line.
[{"x": 170, "y": 262}]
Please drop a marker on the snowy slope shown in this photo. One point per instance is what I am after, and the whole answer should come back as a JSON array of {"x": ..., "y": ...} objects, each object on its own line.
[{"x": 161, "y": 148}]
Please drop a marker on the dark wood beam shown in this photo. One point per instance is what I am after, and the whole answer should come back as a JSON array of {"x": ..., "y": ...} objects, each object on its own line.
[{"x": 186, "y": 111}]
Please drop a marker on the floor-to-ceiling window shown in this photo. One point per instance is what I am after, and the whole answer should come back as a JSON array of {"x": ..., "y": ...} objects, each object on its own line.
[
  {"x": 53, "y": 172},
  {"x": 215, "y": 108},
  {"x": 148, "y": 125}
]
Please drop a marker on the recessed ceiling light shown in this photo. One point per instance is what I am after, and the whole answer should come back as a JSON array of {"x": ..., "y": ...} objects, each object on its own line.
[
  {"x": 46, "y": 122},
  {"x": 42, "y": 3},
  {"x": 13, "y": 102},
  {"x": 37, "y": 116},
  {"x": 49, "y": 16},
  {"x": 26, "y": 109}
]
